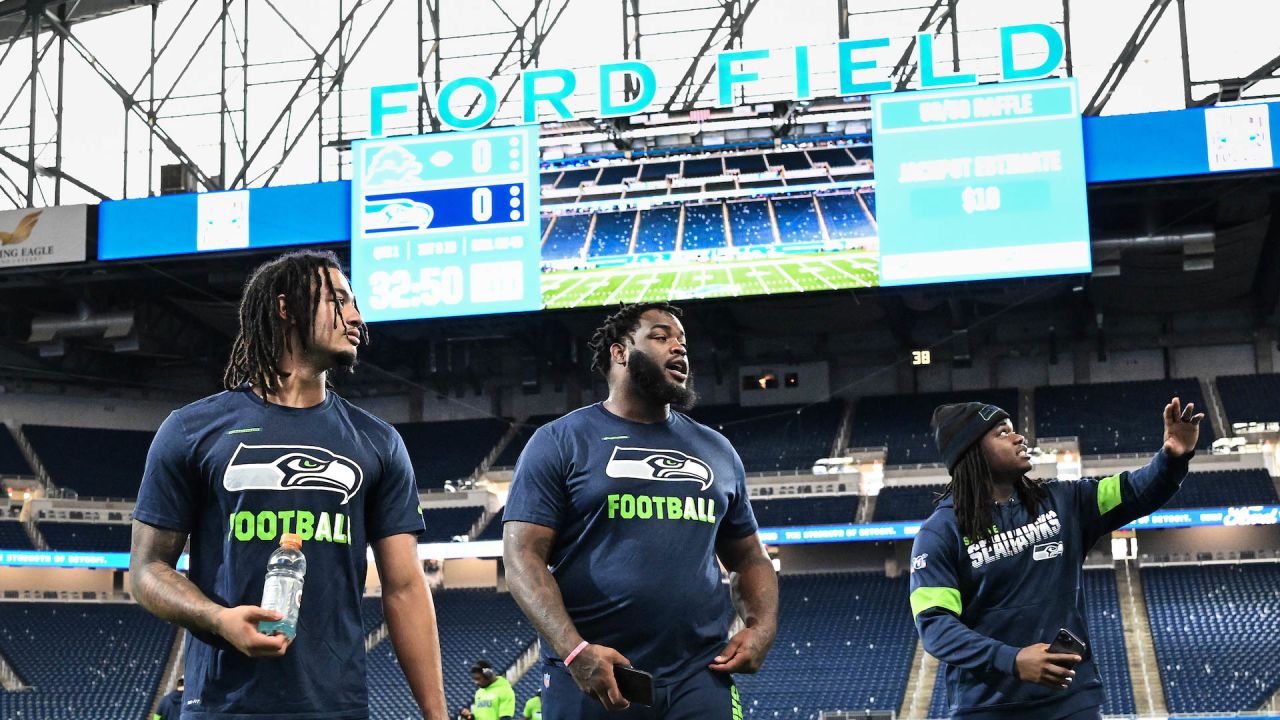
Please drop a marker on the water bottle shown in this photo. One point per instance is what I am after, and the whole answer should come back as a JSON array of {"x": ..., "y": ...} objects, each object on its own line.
[{"x": 283, "y": 589}]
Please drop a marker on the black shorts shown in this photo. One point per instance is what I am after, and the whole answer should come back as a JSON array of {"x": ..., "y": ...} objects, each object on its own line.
[{"x": 704, "y": 695}]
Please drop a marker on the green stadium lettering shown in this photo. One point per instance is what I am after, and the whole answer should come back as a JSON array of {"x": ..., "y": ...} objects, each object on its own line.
[
  {"x": 660, "y": 507},
  {"x": 271, "y": 524}
]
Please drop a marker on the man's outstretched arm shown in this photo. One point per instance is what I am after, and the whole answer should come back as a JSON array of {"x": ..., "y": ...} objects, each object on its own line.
[
  {"x": 164, "y": 592},
  {"x": 411, "y": 621}
]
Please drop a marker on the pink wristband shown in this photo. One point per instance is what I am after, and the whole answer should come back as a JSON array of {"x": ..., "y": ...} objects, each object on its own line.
[{"x": 581, "y": 646}]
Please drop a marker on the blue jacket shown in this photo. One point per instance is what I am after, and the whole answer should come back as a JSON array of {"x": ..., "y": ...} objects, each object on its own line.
[{"x": 977, "y": 604}]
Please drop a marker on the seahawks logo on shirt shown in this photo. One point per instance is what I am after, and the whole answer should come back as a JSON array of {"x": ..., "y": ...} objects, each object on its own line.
[
  {"x": 664, "y": 465},
  {"x": 292, "y": 467}
]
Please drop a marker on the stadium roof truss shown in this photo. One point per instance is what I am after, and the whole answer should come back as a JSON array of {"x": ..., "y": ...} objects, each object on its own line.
[{"x": 192, "y": 94}]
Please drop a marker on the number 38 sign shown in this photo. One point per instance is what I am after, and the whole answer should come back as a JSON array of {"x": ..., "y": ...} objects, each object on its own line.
[{"x": 446, "y": 224}]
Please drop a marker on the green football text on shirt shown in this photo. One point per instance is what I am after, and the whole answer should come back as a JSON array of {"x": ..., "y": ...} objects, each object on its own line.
[
  {"x": 271, "y": 524},
  {"x": 660, "y": 507}
]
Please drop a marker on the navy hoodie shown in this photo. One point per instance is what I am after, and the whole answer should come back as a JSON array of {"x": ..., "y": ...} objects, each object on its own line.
[{"x": 977, "y": 604}]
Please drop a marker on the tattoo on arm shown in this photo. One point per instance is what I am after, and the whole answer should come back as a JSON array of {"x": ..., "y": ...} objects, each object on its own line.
[
  {"x": 159, "y": 587},
  {"x": 526, "y": 548},
  {"x": 753, "y": 583}
]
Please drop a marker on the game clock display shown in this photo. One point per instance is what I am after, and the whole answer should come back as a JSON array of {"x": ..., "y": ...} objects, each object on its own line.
[{"x": 446, "y": 224}]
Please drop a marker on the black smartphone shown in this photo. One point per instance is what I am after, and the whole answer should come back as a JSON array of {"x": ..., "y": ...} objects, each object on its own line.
[
  {"x": 635, "y": 685},
  {"x": 1067, "y": 643}
]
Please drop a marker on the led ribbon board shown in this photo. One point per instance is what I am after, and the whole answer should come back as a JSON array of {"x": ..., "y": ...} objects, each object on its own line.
[
  {"x": 980, "y": 182},
  {"x": 799, "y": 535},
  {"x": 446, "y": 225}
]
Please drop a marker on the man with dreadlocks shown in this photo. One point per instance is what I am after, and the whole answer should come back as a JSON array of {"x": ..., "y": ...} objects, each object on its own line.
[
  {"x": 997, "y": 569},
  {"x": 278, "y": 452},
  {"x": 630, "y": 503}
]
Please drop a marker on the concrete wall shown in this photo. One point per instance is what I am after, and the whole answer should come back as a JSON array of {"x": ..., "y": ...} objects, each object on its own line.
[
  {"x": 55, "y": 579},
  {"x": 469, "y": 573}
]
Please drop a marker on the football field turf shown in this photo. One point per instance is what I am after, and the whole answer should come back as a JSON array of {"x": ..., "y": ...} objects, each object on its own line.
[{"x": 639, "y": 282}]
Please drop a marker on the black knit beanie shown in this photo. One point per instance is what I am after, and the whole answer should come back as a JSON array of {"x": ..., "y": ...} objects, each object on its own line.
[{"x": 958, "y": 426}]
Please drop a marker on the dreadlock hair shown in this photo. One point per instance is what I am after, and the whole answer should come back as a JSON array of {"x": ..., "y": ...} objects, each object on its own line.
[
  {"x": 264, "y": 336},
  {"x": 617, "y": 327},
  {"x": 970, "y": 487}
]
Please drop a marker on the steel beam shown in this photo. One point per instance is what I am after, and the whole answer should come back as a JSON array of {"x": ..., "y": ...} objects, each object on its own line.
[
  {"x": 1125, "y": 59},
  {"x": 131, "y": 104}
]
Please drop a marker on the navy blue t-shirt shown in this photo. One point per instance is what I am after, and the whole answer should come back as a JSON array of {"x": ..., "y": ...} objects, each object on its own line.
[
  {"x": 637, "y": 509},
  {"x": 237, "y": 474}
]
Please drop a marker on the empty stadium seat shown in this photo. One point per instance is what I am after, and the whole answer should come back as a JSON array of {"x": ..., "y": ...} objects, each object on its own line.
[
  {"x": 106, "y": 463},
  {"x": 745, "y": 163},
  {"x": 511, "y": 452},
  {"x": 1250, "y": 398},
  {"x": 88, "y": 661},
  {"x": 835, "y": 157},
  {"x": 899, "y": 503},
  {"x": 657, "y": 231},
  {"x": 750, "y": 224},
  {"x": 86, "y": 536},
  {"x": 473, "y": 624},
  {"x": 443, "y": 523},
  {"x": 371, "y": 613},
  {"x": 703, "y": 227},
  {"x": 12, "y": 461},
  {"x": 845, "y": 217},
  {"x": 1222, "y": 488},
  {"x": 451, "y": 449},
  {"x": 1121, "y": 417},
  {"x": 566, "y": 238},
  {"x": 13, "y": 536},
  {"x": 612, "y": 234},
  {"x": 1216, "y": 630},
  {"x": 797, "y": 220},
  {"x": 901, "y": 422},
  {"x": 774, "y": 438},
  {"x": 845, "y": 642},
  {"x": 788, "y": 512}
]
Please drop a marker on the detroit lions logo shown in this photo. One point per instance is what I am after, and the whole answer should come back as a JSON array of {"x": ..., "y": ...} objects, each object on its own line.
[
  {"x": 665, "y": 465},
  {"x": 291, "y": 467}
]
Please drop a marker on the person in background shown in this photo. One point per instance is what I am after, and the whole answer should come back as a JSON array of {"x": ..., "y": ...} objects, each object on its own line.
[
  {"x": 533, "y": 707},
  {"x": 495, "y": 699},
  {"x": 170, "y": 706}
]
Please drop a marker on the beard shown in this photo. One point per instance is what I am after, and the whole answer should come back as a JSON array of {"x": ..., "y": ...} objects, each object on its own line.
[{"x": 652, "y": 382}]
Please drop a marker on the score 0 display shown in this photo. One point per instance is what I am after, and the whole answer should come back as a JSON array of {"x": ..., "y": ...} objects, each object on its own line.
[
  {"x": 980, "y": 182},
  {"x": 446, "y": 225}
]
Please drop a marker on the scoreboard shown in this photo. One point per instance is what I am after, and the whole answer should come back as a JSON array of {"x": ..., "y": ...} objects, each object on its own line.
[
  {"x": 980, "y": 182},
  {"x": 446, "y": 225}
]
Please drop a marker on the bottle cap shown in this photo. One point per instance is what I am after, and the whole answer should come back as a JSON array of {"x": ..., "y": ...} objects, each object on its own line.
[{"x": 291, "y": 540}]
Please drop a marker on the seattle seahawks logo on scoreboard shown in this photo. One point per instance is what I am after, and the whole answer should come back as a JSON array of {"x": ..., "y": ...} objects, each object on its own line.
[
  {"x": 663, "y": 465},
  {"x": 292, "y": 467}
]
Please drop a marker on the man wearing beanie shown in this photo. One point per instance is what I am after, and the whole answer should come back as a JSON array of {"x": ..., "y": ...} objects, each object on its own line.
[{"x": 997, "y": 569}]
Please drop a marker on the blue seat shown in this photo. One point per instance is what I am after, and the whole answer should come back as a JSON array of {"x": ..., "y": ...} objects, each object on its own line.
[
  {"x": 1121, "y": 417},
  {"x": 845, "y": 642},
  {"x": 106, "y": 463},
  {"x": 901, "y": 422},
  {"x": 1216, "y": 630},
  {"x": 473, "y": 624},
  {"x": 1250, "y": 398},
  {"x": 86, "y": 537},
  {"x": 450, "y": 449},
  {"x": 85, "y": 660},
  {"x": 776, "y": 438}
]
